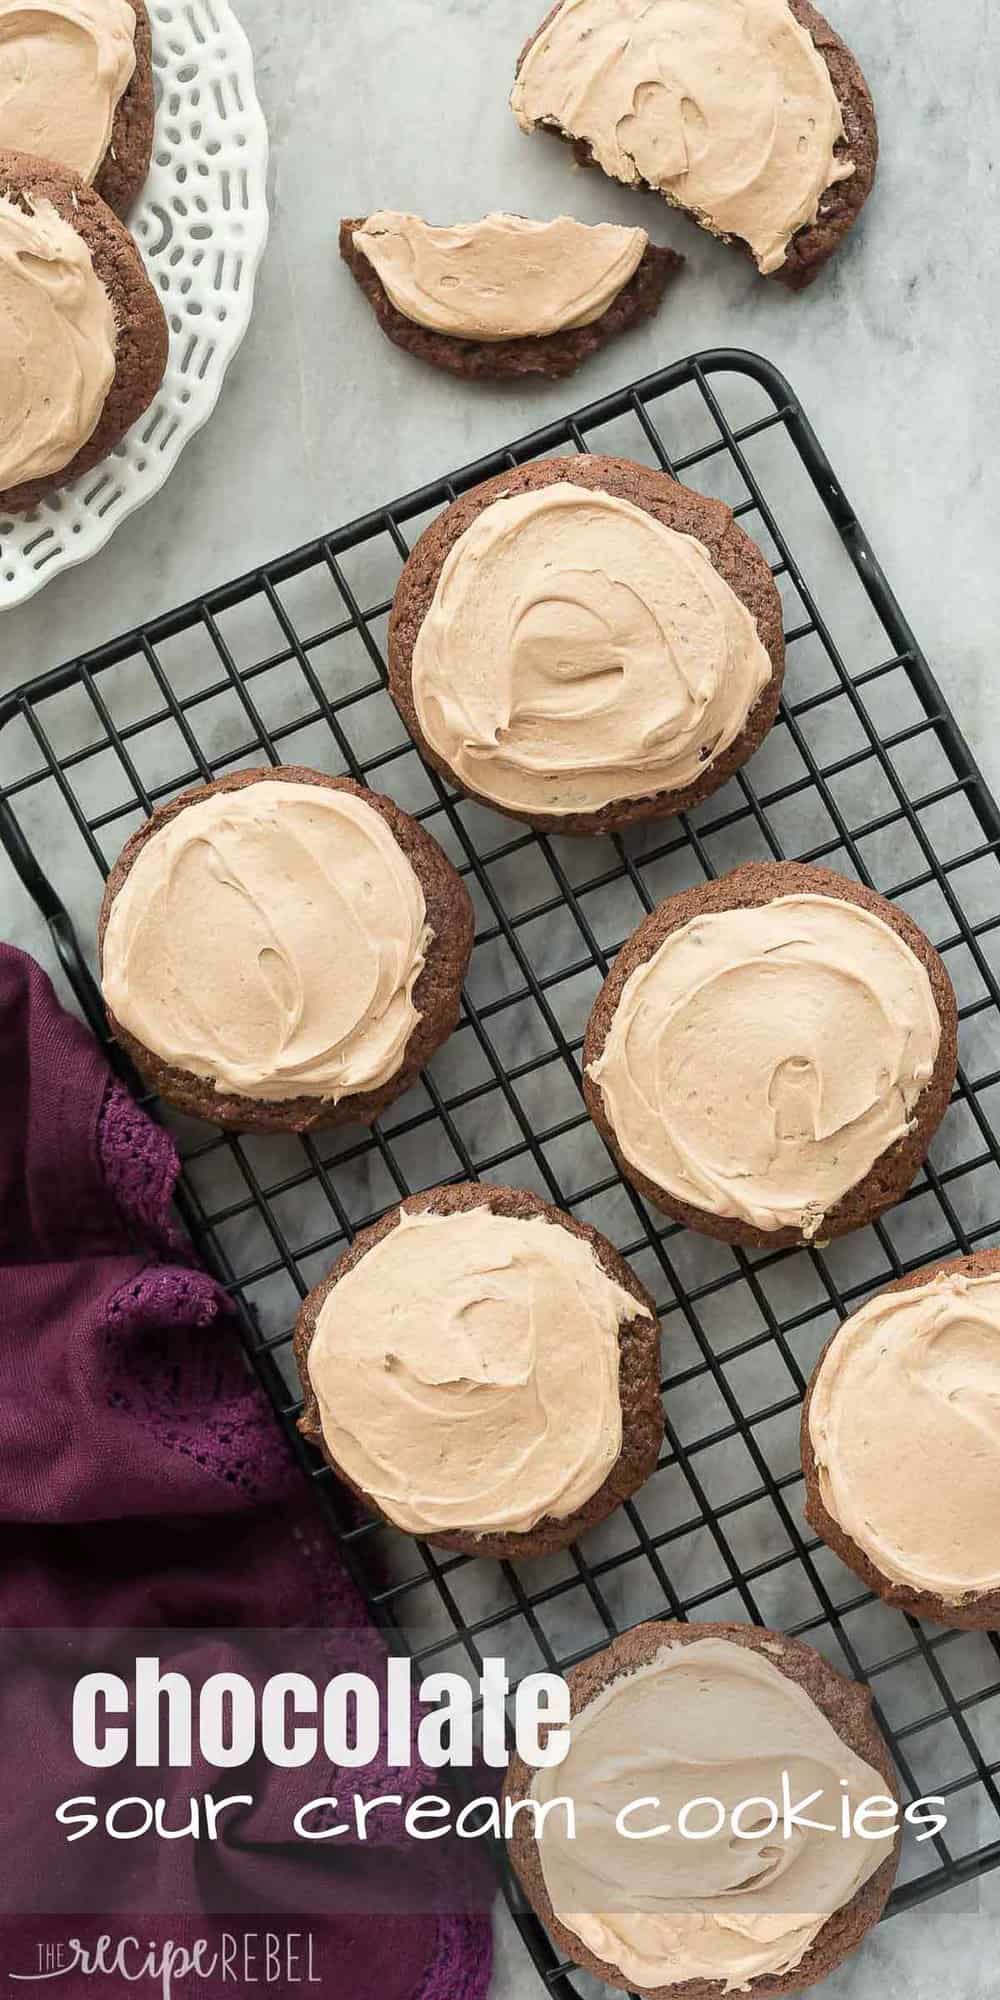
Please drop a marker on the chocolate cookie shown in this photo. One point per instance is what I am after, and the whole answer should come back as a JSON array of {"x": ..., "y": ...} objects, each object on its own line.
[
  {"x": 436, "y": 993},
  {"x": 553, "y": 355},
  {"x": 974, "y": 1612},
  {"x": 638, "y": 1377},
  {"x": 141, "y": 328},
  {"x": 122, "y": 172},
  {"x": 847, "y": 1707},
  {"x": 735, "y": 557},
  {"x": 754, "y": 886},
  {"x": 841, "y": 204},
  {"x": 119, "y": 176}
]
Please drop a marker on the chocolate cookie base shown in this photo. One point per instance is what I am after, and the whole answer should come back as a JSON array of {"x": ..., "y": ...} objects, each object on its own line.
[
  {"x": 122, "y": 172},
  {"x": 846, "y": 1706},
  {"x": 141, "y": 337},
  {"x": 751, "y": 887},
  {"x": 551, "y": 354},
  {"x": 841, "y": 204},
  {"x": 638, "y": 1372},
  {"x": 975, "y": 1612},
  {"x": 738, "y": 560},
  {"x": 436, "y": 995}
]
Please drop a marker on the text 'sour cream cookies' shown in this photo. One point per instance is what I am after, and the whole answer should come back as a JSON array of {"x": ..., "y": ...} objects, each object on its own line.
[
  {"x": 728, "y": 108},
  {"x": 57, "y": 342},
  {"x": 593, "y": 649},
  {"x": 64, "y": 66},
  {"x": 665, "y": 1723},
  {"x": 480, "y": 1368},
  {"x": 901, "y": 1440},
  {"x": 265, "y": 944},
  {"x": 755, "y": 1063}
]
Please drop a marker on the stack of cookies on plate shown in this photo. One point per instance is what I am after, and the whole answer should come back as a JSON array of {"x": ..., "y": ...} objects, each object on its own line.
[{"x": 83, "y": 337}]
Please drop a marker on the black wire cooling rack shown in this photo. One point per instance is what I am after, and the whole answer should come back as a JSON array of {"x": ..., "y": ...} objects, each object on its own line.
[{"x": 865, "y": 770}]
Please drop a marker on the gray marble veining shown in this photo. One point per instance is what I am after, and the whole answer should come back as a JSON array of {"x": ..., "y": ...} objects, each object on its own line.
[{"x": 893, "y": 355}]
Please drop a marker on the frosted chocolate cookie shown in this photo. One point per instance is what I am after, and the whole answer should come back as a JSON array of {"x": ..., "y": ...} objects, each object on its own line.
[
  {"x": 505, "y": 297},
  {"x": 673, "y": 1717},
  {"x": 771, "y": 1054},
  {"x": 76, "y": 89},
  {"x": 583, "y": 643},
  {"x": 484, "y": 1372},
  {"x": 901, "y": 1442},
  {"x": 751, "y": 115},
  {"x": 282, "y": 950},
  {"x": 83, "y": 338}
]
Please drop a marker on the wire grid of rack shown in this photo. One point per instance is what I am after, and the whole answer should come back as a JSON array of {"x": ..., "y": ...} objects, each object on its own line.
[{"x": 865, "y": 771}]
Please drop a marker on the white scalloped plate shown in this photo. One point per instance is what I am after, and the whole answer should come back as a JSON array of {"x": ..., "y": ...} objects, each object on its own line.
[{"x": 201, "y": 224}]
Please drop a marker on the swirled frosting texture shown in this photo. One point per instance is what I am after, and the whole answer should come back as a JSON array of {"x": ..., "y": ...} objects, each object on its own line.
[
  {"x": 578, "y": 652},
  {"x": 723, "y": 106},
  {"x": 466, "y": 1371},
  {"x": 709, "y": 1720},
  {"x": 269, "y": 939},
  {"x": 57, "y": 343},
  {"x": 762, "y": 1059},
  {"x": 504, "y": 277},
  {"x": 904, "y": 1422},
  {"x": 64, "y": 65}
]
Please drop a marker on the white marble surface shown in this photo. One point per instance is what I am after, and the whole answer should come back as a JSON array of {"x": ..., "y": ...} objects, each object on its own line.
[{"x": 893, "y": 354}]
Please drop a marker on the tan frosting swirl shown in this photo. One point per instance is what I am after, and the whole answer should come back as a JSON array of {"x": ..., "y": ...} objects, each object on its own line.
[
  {"x": 64, "y": 65},
  {"x": 504, "y": 277},
  {"x": 724, "y": 106},
  {"x": 762, "y": 1059},
  {"x": 707, "y": 1720},
  {"x": 905, "y": 1425},
  {"x": 270, "y": 939},
  {"x": 57, "y": 343},
  {"x": 466, "y": 1371},
  {"x": 577, "y": 651}
]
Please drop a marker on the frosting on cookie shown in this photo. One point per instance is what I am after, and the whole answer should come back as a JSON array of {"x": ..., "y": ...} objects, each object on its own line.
[
  {"x": 269, "y": 939},
  {"x": 904, "y": 1422},
  {"x": 578, "y": 652},
  {"x": 707, "y": 1721},
  {"x": 466, "y": 1370},
  {"x": 503, "y": 278},
  {"x": 64, "y": 66},
  {"x": 57, "y": 343},
  {"x": 724, "y": 106},
  {"x": 762, "y": 1059}
]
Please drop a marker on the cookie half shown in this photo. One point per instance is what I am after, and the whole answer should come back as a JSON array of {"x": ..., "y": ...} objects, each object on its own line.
[
  {"x": 505, "y": 297},
  {"x": 483, "y": 1371},
  {"x": 282, "y": 950},
  {"x": 667, "y": 1723},
  {"x": 901, "y": 1442},
  {"x": 83, "y": 337},
  {"x": 78, "y": 91},
  {"x": 771, "y": 1055},
  {"x": 583, "y": 643},
  {"x": 664, "y": 99}
]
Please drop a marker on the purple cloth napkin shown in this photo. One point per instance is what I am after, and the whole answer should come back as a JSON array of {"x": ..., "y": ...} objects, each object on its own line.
[{"x": 145, "y": 1483}]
